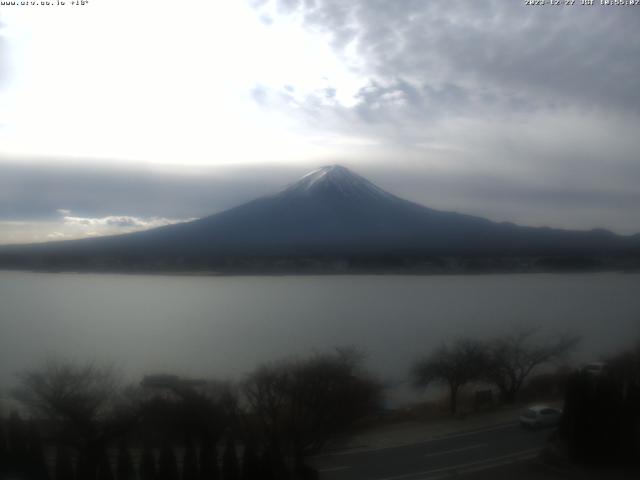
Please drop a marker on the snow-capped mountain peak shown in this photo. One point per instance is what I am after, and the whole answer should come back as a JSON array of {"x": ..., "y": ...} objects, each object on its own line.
[
  {"x": 335, "y": 180},
  {"x": 329, "y": 212}
]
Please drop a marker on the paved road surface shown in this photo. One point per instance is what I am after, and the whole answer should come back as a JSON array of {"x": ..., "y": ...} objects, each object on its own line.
[{"x": 457, "y": 453}]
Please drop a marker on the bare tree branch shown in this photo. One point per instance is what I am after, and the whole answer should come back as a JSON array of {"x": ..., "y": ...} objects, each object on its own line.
[
  {"x": 454, "y": 365},
  {"x": 513, "y": 357}
]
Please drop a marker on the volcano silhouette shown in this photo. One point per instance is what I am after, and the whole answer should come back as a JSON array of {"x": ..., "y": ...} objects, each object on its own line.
[{"x": 334, "y": 211}]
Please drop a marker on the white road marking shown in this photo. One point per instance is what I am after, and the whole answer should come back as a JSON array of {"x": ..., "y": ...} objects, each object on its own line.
[
  {"x": 454, "y": 450},
  {"x": 333, "y": 469},
  {"x": 486, "y": 463},
  {"x": 419, "y": 442},
  {"x": 482, "y": 430},
  {"x": 485, "y": 466}
]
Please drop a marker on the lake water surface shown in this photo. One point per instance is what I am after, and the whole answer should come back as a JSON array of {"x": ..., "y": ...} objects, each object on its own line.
[{"x": 224, "y": 326}]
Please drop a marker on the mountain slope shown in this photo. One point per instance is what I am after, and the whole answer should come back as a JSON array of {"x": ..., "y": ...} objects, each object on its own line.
[{"x": 335, "y": 211}]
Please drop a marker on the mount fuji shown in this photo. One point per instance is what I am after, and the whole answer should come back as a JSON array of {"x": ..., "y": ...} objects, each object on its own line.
[{"x": 331, "y": 212}]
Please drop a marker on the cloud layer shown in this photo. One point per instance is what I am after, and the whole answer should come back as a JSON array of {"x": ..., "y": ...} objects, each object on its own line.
[
  {"x": 40, "y": 201},
  {"x": 120, "y": 221},
  {"x": 481, "y": 55},
  {"x": 528, "y": 114}
]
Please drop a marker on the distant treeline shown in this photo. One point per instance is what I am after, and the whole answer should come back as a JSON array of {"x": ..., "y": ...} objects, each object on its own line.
[{"x": 396, "y": 262}]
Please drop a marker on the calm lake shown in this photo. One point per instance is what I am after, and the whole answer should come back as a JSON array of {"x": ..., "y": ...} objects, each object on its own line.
[{"x": 224, "y": 326}]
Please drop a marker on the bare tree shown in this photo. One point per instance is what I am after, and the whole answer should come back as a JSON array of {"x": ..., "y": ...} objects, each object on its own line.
[
  {"x": 454, "y": 365},
  {"x": 84, "y": 400},
  {"x": 65, "y": 391},
  {"x": 198, "y": 409},
  {"x": 301, "y": 404},
  {"x": 512, "y": 358}
]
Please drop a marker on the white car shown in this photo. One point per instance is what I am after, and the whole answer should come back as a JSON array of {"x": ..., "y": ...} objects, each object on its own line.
[{"x": 541, "y": 416}]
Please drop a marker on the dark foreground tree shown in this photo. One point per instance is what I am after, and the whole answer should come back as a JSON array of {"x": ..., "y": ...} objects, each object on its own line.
[
  {"x": 176, "y": 407},
  {"x": 189, "y": 462},
  {"x": 64, "y": 466},
  {"x": 83, "y": 401},
  {"x": 37, "y": 464},
  {"x": 209, "y": 469},
  {"x": 512, "y": 358},
  {"x": 148, "y": 465},
  {"x": 167, "y": 464},
  {"x": 454, "y": 365},
  {"x": 301, "y": 404},
  {"x": 250, "y": 462},
  {"x": 272, "y": 466},
  {"x": 104, "y": 468},
  {"x": 601, "y": 421},
  {"x": 18, "y": 447},
  {"x": 230, "y": 470},
  {"x": 4, "y": 450},
  {"x": 124, "y": 469}
]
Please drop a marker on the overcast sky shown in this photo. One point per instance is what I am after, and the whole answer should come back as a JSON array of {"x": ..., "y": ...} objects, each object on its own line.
[{"x": 126, "y": 114}]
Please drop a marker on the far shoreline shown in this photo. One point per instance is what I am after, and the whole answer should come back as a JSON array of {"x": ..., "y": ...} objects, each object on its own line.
[{"x": 323, "y": 273}]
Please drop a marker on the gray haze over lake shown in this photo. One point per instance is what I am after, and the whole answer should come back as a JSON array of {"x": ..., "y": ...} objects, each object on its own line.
[{"x": 224, "y": 326}]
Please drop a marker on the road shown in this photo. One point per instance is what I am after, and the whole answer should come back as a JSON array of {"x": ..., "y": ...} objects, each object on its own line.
[{"x": 438, "y": 458}]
